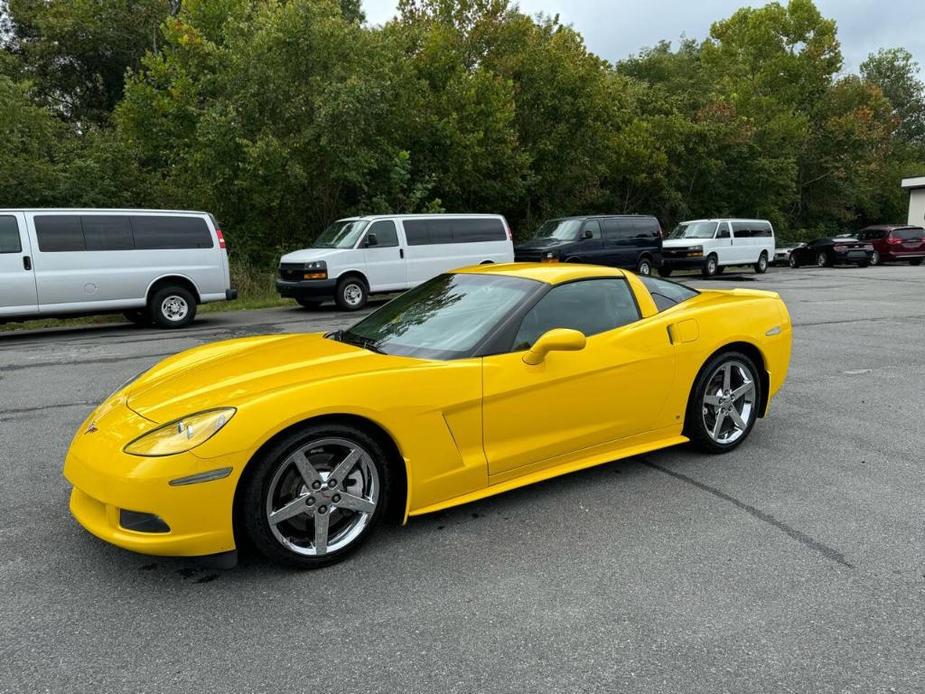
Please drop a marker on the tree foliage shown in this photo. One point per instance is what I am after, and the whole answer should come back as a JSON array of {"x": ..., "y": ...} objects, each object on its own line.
[{"x": 282, "y": 115}]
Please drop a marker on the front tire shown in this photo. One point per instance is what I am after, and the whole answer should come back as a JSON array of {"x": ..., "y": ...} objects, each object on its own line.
[
  {"x": 710, "y": 265},
  {"x": 723, "y": 404},
  {"x": 351, "y": 294},
  {"x": 644, "y": 267},
  {"x": 822, "y": 259},
  {"x": 316, "y": 495},
  {"x": 172, "y": 307},
  {"x": 792, "y": 261},
  {"x": 875, "y": 258},
  {"x": 761, "y": 266}
]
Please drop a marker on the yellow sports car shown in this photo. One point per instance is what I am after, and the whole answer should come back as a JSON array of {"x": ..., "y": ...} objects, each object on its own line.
[{"x": 476, "y": 382}]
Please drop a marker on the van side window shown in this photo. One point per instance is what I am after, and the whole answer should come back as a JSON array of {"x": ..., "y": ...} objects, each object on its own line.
[
  {"x": 589, "y": 306},
  {"x": 723, "y": 232},
  {"x": 107, "y": 233},
  {"x": 9, "y": 235},
  {"x": 161, "y": 232},
  {"x": 644, "y": 228},
  {"x": 615, "y": 229},
  {"x": 425, "y": 232},
  {"x": 742, "y": 230},
  {"x": 386, "y": 234},
  {"x": 59, "y": 233},
  {"x": 763, "y": 229}
]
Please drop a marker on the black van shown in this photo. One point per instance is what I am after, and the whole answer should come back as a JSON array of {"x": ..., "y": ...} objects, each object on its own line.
[{"x": 629, "y": 241}]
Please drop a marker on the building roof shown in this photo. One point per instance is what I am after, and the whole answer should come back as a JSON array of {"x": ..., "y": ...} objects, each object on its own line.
[{"x": 913, "y": 183}]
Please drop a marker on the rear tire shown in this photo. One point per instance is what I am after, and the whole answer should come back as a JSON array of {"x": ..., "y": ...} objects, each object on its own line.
[
  {"x": 761, "y": 266},
  {"x": 351, "y": 294},
  {"x": 717, "y": 420},
  {"x": 822, "y": 259},
  {"x": 875, "y": 258},
  {"x": 710, "y": 265},
  {"x": 792, "y": 261},
  {"x": 915, "y": 261},
  {"x": 172, "y": 307},
  {"x": 301, "y": 466}
]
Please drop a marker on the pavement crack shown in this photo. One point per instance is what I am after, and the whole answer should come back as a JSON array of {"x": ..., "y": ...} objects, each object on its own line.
[
  {"x": 98, "y": 360},
  {"x": 28, "y": 410},
  {"x": 829, "y": 553}
]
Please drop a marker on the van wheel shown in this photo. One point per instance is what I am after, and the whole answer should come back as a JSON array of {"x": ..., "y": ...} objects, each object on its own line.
[
  {"x": 172, "y": 307},
  {"x": 761, "y": 266},
  {"x": 138, "y": 316},
  {"x": 351, "y": 294},
  {"x": 709, "y": 267},
  {"x": 644, "y": 267}
]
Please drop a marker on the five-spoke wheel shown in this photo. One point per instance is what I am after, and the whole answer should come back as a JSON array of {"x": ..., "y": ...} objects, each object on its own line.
[
  {"x": 724, "y": 402},
  {"x": 316, "y": 496}
]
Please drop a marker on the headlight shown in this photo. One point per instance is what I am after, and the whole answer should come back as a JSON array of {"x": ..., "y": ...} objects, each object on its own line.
[
  {"x": 181, "y": 435},
  {"x": 316, "y": 265},
  {"x": 316, "y": 270},
  {"x": 695, "y": 250}
]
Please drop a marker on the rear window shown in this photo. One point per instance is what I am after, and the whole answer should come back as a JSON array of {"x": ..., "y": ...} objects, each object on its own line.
[
  {"x": 907, "y": 234},
  {"x": 161, "y": 232},
  {"x": 666, "y": 294},
  {"x": 871, "y": 234},
  {"x": 425, "y": 232},
  {"x": 9, "y": 235}
]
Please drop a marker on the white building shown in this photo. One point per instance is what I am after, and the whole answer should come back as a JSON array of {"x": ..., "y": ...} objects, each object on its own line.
[{"x": 916, "y": 188}]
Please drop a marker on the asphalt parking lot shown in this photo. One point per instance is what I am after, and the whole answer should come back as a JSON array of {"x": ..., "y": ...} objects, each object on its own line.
[{"x": 795, "y": 563}]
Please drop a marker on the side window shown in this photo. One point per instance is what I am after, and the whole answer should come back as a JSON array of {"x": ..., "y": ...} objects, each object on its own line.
[
  {"x": 764, "y": 230},
  {"x": 646, "y": 228},
  {"x": 741, "y": 230},
  {"x": 158, "y": 232},
  {"x": 441, "y": 230},
  {"x": 59, "y": 233},
  {"x": 478, "y": 230},
  {"x": 107, "y": 233},
  {"x": 723, "y": 231},
  {"x": 590, "y": 306},
  {"x": 416, "y": 232},
  {"x": 386, "y": 235},
  {"x": 591, "y": 230},
  {"x": 666, "y": 294},
  {"x": 616, "y": 229},
  {"x": 9, "y": 235}
]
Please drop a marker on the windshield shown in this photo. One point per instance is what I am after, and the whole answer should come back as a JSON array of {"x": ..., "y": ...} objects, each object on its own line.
[
  {"x": 343, "y": 233},
  {"x": 562, "y": 229},
  {"x": 693, "y": 230},
  {"x": 445, "y": 318}
]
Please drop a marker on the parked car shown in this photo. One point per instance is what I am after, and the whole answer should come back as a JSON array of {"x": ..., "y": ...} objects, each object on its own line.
[
  {"x": 712, "y": 245},
  {"x": 475, "y": 383},
  {"x": 152, "y": 265},
  {"x": 633, "y": 242},
  {"x": 826, "y": 252},
  {"x": 782, "y": 254},
  {"x": 892, "y": 243},
  {"x": 359, "y": 256}
]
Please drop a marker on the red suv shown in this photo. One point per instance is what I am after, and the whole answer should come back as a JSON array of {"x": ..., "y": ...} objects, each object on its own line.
[{"x": 895, "y": 243}]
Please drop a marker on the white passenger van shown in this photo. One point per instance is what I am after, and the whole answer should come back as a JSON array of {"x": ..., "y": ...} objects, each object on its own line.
[
  {"x": 712, "y": 245},
  {"x": 151, "y": 265},
  {"x": 359, "y": 256}
]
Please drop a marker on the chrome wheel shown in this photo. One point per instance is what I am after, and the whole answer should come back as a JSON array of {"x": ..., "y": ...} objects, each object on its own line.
[
  {"x": 174, "y": 308},
  {"x": 645, "y": 268},
  {"x": 322, "y": 497},
  {"x": 875, "y": 258},
  {"x": 728, "y": 402},
  {"x": 353, "y": 294},
  {"x": 822, "y": 259}
]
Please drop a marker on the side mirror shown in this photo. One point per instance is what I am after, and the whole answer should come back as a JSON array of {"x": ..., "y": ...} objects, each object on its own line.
[
  {"x": 556, "y": 340},
  {"x": 371, "y": 240}
]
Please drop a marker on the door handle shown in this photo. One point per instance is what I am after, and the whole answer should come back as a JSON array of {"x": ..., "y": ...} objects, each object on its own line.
[
  {"x": 401, "y": 252},
  {"x": 26, "y": 262}
]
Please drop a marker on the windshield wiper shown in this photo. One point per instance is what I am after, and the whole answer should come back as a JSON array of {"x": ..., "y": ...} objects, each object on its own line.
[{"x": 358, "y": 341}]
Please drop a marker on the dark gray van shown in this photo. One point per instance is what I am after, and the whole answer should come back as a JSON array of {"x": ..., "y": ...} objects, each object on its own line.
[{"x": 629, "y": 241}]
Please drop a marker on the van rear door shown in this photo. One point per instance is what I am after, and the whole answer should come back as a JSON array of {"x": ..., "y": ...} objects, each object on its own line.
[{"x": 18, "y": 295}]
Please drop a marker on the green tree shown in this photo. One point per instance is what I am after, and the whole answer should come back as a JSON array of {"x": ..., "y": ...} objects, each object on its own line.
[{"x": 896, "y": 73}]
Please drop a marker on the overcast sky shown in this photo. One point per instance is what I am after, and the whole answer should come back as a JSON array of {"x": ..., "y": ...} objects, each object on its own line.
[{"x": 616, "y": 28}]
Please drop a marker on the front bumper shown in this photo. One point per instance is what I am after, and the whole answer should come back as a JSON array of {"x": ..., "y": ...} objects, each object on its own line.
[
  {"x": 107, "y": 481},
  {"x": 307, "y": 289}
]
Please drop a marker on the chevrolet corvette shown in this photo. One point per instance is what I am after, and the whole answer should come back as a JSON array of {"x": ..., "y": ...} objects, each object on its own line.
[{"x": 476, "y": 382}]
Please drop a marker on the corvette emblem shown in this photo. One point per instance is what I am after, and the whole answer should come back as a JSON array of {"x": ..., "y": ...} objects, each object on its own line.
[{"x": 91, "y": 429}]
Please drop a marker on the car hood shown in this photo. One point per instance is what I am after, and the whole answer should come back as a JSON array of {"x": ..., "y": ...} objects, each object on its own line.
[
  {"x": 539, "y": 244},
  {"x": 227, "y": 373},
  {"x": 308, "y": 255}
]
